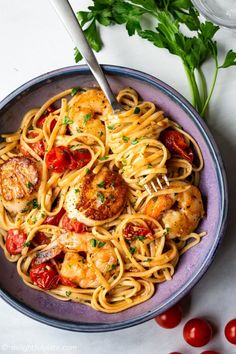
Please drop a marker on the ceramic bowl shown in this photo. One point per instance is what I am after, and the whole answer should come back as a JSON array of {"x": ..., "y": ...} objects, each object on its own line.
[{"x": 192, "y": 265}]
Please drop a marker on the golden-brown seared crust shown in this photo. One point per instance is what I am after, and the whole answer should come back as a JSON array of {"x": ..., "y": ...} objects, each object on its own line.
[
  {"x": 19, "y": 180},
  {"x": 103, "y": 195}
]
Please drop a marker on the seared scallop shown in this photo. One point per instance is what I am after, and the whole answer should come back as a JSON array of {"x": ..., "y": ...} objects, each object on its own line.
[
  {"x": 98, "y": 199},
  {"x": 19, "y": 182}
]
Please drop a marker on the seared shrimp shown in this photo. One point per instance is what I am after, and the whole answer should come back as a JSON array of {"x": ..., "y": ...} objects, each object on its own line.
[
  {"x": 76, "y": 266},
  {"x": 99, "y": 198},
  {"x": 179, "y": 213},
  {"x": 90, "y": 108},
  {"x": 19, "y": 182}
]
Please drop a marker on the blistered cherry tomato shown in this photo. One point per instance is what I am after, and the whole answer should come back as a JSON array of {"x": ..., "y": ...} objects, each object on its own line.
[
  {"x": 15, "y": 241},
  {"x": 79, "y": 158},
  {"x": 197, "y": 332},
  {"x": 73, "y": 225},
  {"x": 41, "y": 239},
  {"x": 176, "y": 143},
  {"x": 170, "y": 318},
  {"x": 230, "y": 331},
  {"x": 44, "y": 276},
  {"x": 43, "y": 117},
  {"x": 67, "y": 282},
  {"x": 132, "y": 231},
  {"x": 209, "y": 352},
  {"x": 175, "y": 353},
  {"x": 38, "y": 147},
  {"x": 58, "y": 159},
  {"x": 55, "y": 219}
]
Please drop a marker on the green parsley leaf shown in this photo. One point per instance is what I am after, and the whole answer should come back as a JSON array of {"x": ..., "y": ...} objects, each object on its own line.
[
  {"x": 135, "y": 141},
  {"x": 67, "y": 120},
  {"x": 101, "y": 196},
  {"x": 133, "y": 250},
  {"x": 87, "y": 170},
  {"x": 86, "y": 118},
  {"x": 93, "y": 242},
  {"x": 111, "y": 126},
  {"x": 136, "y": 110},
  {"x": 230, "y": 60},
  {"x": 74, "y": 91},
  {"x": 35, "y": 204},
  {"x": 101, "y": 133},
  {"x": 27, "y": 244},
  {"x": 125, "y": 139},
  {"x": 101, "y": 244},
  {"x": 29, "y": 185},
  {"x": 76, "y": 190},
  {"x": 102, "y": 158},
  {"x": 140, "y": 238},
  {"x": 68, "y": 293},
  {"x": 101, "y": 184}
]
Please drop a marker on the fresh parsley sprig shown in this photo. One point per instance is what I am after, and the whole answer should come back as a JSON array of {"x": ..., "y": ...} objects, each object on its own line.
[{"x": 172, "y": 18}]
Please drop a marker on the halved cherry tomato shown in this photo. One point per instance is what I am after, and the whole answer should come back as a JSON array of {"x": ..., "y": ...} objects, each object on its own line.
[
  {"x": 67, "y": 282},
  {"x": 132, "y": 231},
  {"x": 44, "y": 276},
  {"x": 73, "y": 225},
  {"x": 38, "y": 147},
  {"x": 176, "y": 143},
  {"x": 170, "y": 318},
  {"x": 41, "y": 239},
  {"x": 230, "y": 331},
  {"x": 197, "y": 332},
  {"x": 15, "y": 241},
  {"x": 55, "y": 219},
  {"x": 58, "y": 159}
]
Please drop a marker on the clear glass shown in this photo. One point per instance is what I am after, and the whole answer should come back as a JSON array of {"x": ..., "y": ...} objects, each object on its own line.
[{"x": 221, "y": 12}]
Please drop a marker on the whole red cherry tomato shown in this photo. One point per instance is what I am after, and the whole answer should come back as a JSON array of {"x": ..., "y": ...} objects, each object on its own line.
[
  {"x": 44, "y": 276},
  {"x": 55, "y": 219},
  {"x": 38, "y": 147},
  {"x": 175, "y": 353},
  {"x": 58, "y": 159},
  {"x": 73, "y": 225},
  {"x": 209, "y": 352},
  {"x": 170, "y": 318},
  {"x": 176, "y": 143},
  {"x": 67, "y": 282},
  {"x": 230, "y": 331},
  {"x": 197, "y": 332},
  {"x": 15, "y": 241}
]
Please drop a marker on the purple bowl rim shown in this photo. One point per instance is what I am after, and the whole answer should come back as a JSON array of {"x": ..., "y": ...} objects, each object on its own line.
[{"x": 221, "y": 176}]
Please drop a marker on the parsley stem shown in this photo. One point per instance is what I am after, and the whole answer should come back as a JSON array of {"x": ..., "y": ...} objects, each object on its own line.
[
  {"x": 188, "y": 74},
  {"x": 203, "y": 84},
  {"x": 211, "y": 90}
]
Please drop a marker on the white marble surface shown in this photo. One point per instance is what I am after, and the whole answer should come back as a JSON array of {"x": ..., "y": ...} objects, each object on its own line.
[{"x": 33, "y": 42}]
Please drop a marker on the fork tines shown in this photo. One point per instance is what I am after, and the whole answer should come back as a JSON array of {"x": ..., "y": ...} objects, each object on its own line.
[{"x": 151, "y": 187}]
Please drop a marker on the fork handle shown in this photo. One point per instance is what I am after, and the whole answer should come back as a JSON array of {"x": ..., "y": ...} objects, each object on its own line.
[{"x": 67, "y": 16}]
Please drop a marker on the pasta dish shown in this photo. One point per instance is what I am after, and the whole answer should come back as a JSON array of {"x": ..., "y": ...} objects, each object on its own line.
[{"x": 98, "y": 207}]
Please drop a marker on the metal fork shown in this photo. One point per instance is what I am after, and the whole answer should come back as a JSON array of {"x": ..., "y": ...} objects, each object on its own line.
[
  {"x": 67, "y": 16},
  {"x": 151, "y": 187}
]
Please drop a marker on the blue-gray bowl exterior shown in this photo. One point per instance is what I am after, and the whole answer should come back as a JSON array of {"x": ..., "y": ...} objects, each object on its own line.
[{"x": 193, "y": 264}]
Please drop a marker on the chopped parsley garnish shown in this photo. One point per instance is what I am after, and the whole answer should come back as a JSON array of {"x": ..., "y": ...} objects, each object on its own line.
[
  {"x": 101, "y": 197},
  {"x": 103, "y": 158},
  {"x": 76, "y": 190},
  {"x": 35, "y": 204},
  {"x": 140, "y": 238},
  {"x": 101, "y": 184},
  {"x": 135, "y": 141},
  {"x": 113, "y": 266},
  {"x": 133, "y": 250},
  {"x": 74, "y": 91},
  {"x": 101, "y": 243},
  {"x": 86, "y": 118},
  {"x": 68, "y": 293},
  {"x": 125, "y": 139},
  {"x": 111, "y": 196},
  {"x": 29, "y": 185},
  {"x": 111, "y": 127},
  {"x": 150, "y": 165},
  {"x": 87, "y": 170},
  {"x": 101, "y": 133},
  {"x": 93, "y": 242},
  {"x": 78, "y": 130},
  {"x": 67, "y": 120},
  {"x": 136, "y": 110},
  {"x": 26, "y": 244}
]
